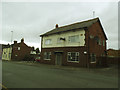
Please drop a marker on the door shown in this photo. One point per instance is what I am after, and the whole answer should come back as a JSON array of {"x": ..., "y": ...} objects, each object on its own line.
[{"x": 58, "y": 60}]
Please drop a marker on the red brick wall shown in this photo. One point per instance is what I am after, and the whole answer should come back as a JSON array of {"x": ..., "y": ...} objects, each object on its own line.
[
  {"x": 96, "y": 30},
  {"x": 83, "y": 57},
  {"x": 91, "y": 44},
  {"x": 24, "y": 50}
]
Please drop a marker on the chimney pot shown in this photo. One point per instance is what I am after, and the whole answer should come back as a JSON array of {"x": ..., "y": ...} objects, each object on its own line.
[
  {"x": 22, "y": 40},
  {"x": 56, "y": 26},
  {"x": 15, "y": 42}
]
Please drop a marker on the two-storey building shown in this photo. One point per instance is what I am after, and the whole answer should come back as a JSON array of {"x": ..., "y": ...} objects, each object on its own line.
[{"x": 78, "y": 44}]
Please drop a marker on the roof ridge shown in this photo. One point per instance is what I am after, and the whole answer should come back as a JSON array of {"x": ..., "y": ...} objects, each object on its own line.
[{"x": 79, "y": 22}]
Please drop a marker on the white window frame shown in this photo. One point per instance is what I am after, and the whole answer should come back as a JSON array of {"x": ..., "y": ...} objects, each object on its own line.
[
  {"x": 48, "y": 41},
  {"x": 47, "y": 56},
  {"x": 18, "y": 48},
  {"x": 74, "y": 37},
  {"x": 76, "y": 56}
]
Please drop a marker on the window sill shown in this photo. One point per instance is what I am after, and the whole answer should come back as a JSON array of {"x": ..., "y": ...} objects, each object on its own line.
[
  {"x": 47, "y": 59},
  {"x": 73, "y": 42},
  {"x": 93, "y": 62},
  {"x": 73, "y": 61},
  {"x": 48, "y": 44}
]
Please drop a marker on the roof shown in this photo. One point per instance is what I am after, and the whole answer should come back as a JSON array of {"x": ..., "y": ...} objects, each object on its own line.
[
  {"x": 79, "y": 25},
  {"x": 4, "y": 46}
]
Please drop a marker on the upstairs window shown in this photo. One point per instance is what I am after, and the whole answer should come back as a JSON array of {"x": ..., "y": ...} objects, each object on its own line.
[
  {"x": 97, "y": 39},
  {"x": 59, "y": 40},
  {"x": 47, "y": 55},
  {"x": 18, "y": 48},
  {"x": 48, "y": 41},
  {"x": 103, "y": 43},
  {"x": 73, "y": 56},
  {"x": 74, "y": 38},
  {"x": 99, "y": 42}
]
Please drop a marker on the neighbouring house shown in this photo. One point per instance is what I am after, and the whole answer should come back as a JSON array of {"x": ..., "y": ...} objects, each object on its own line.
[
  {"x": 16, "y": 51},
  {"x": 1, "y": 49},
  {"x": 6, "y": 53},
  {"x": 77, "y": 44},
  {"x": 113, "y": 56},
  {"x": 113, "y": 53}
]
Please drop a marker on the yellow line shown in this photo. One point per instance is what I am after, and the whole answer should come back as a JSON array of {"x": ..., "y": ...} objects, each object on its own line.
[{"x": 3, "y": 86}]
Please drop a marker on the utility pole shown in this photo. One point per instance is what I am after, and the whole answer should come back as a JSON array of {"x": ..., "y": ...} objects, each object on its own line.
[
  {"x": 10, "y": 52},
  {"x": 11, "y": 36},
  {"x": 93, "y": 14}
]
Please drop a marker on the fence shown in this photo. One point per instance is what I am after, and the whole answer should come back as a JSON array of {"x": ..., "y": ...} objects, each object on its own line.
[{"x": 105, "y": 61}]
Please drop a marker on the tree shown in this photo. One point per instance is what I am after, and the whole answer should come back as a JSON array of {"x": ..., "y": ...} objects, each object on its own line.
[
  {"x": 37, "y": 50},
  {"x": 33, "y": 48}
]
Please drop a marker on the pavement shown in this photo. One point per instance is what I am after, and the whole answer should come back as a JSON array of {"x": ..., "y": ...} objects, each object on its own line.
[{"x": 35, "y": 75}]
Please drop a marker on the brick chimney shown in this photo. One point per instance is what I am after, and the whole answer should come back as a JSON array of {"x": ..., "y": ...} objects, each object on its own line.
[
  {"x": 56, "y": 25},
  {"x": 22, "y": 40},
  {"x": 15, "y": 42}
]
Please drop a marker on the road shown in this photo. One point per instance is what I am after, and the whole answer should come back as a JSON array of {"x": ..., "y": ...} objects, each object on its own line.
[{"x": 18, "y": 75}]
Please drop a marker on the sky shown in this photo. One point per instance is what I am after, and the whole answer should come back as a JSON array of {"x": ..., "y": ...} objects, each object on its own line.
[{"x": 28, "y": 20}]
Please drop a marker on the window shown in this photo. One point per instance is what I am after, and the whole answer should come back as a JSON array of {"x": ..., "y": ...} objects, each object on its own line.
[
  {"x": 18, "y": 48},
  {"x": 103, "y": 43},
  {"x": 9, "y": 55},
  {"x": 74, "y": 38},
  {"x": 93, "y": 57},
  {"x": 59, "y": 41},
  {"x": 48, "y": 41},
  {"x": 47, "y": 55},
  {"x": 97, "y": 39},
  {"x": 6, "y": 55},
  {"x": 73, "y": 56},
  {"x": 99, "y": 42}
]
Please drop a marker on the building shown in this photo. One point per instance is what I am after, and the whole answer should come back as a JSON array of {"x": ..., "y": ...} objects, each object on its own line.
[
  {"x": 113, "y": 53},
  {"x": 16, "y": 51},
  {"x": 1, "y": 49},
  {"x": 6, "y": 53},
  {"x": 78, "y": 44}
]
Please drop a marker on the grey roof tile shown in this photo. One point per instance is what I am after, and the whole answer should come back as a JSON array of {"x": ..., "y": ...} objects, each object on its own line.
[{"x": 81, "y": 25}]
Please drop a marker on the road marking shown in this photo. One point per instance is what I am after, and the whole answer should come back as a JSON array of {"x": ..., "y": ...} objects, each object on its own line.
[{"x": 3, "y": 86}]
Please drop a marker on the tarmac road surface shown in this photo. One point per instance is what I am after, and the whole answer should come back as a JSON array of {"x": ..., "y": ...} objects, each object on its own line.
[{"x": 17, "y": 75}]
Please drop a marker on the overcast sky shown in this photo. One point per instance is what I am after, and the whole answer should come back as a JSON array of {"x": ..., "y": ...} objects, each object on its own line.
[{"x": 30, "y": 19}]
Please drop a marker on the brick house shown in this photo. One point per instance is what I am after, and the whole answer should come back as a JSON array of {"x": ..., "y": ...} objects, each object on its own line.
[
  {"x": 77, "y": 44},
  {"x": 113, "y": 53},
  {"x": 16, "y": 51}
]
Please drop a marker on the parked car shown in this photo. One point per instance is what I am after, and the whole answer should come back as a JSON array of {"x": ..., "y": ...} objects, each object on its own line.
[{"x": 37, "y": 59}]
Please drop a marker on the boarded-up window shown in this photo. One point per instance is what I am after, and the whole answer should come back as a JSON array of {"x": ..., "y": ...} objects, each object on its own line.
[
  {"x": 73, "y": 56},
  {"x": 74, "y": 38},
  {"x": 59, "y": 40}
]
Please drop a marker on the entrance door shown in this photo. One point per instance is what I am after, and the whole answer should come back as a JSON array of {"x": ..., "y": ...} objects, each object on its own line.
[{"x": 58, "y": 59}]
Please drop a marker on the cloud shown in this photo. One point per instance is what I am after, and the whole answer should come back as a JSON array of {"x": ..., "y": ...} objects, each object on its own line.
[{"x": 30, "y": 19}]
